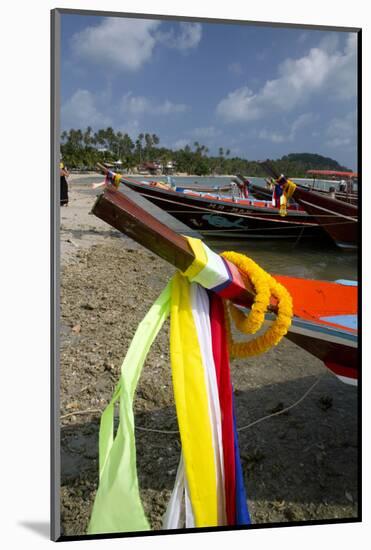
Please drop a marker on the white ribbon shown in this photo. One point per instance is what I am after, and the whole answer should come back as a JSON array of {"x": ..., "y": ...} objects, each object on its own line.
[
  {"x": 214, "y": 273},
  {"x": 201, "y": 314},
  {"x": 173, "y": 517}
]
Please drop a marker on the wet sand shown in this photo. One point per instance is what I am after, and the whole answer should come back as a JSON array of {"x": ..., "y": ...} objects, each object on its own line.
[{"x": 298, "y": 466}]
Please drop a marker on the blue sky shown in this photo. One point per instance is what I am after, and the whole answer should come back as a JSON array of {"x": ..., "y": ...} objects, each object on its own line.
[{"x": 258, "y": 91}]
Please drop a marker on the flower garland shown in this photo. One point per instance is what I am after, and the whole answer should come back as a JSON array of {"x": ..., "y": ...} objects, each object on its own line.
[
  {"x": 253, "y": 322},
  {"x": 264, "y": 285}
]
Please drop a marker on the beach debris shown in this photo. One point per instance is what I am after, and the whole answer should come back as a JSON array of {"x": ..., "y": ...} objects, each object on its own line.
[
  {"x": 276, "y": 408},
  {"x": 72, "y": 405},
  {"x": 254, "y": 457},
  {"x": 72, "y": 242},
  {"x": 87, "y": 306},
  {"x": 325, "y": 402},
  {"x": 110, "y": 367}
]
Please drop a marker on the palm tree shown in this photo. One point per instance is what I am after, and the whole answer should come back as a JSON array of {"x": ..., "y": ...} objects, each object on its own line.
[
  {"x": 148, "y": 140},
  {"x": 119, "y": 137},
  {"x": 87, "y": 136},
  {"x": 139, "y": 146}
]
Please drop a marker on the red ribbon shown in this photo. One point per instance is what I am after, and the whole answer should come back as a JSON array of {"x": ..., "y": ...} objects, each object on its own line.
[{"x": 223, "y": 376}]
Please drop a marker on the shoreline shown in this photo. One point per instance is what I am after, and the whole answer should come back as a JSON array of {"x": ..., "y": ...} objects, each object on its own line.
[{"x": 175, "y": 175}]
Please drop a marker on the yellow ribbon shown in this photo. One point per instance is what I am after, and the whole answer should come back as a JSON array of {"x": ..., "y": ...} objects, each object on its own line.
[
  {"x": 289, "y": 189},
  {"x": 200, "y": 260},
  {"x": 117, "y": 180},
  {"x": 189, "y": 385}
]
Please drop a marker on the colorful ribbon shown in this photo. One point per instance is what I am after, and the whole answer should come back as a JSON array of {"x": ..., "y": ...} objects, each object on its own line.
[
  {"x": 209, "y": 476},
  {"x": 190, "y": 388},
  {"x": 220, "y": 354},
  {"x": 237, "y": 511},
  {"x": 117, "y": 506}
]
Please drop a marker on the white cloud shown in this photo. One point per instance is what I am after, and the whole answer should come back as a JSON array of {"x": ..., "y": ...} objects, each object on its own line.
[
  {"x": 167, "y": 108},
  {"x": 330, "y": 43},
  {"x": 299, "y": 123},
  {"x": 206, "y": 132},
  {"x": 341, "y": 132},
  {"x": 134, "y": 105},
  {"x": 239, "y": 105},
  {"x": 235, "y": 68},
  {"x": 80, "y": 111},
  {"x": 275, "y": 137},
  {"x": 131, "y": 127},
  {"x": 303, "y": 37},
  {"x": 123, "y": 43},
  {"x": 140, "y": 105},
  {"x": 188, "y": 37},
  {"x": 325, "y": 69}
]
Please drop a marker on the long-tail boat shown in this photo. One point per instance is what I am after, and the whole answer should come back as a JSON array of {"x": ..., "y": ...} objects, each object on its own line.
[
  {"x": 325, "y": 313},
  {"x": 214, "y": 215},
  {"x": 265, "y": 193},
  {"x": 343, "y": 190},
  {"x": 339, "y": 219}
]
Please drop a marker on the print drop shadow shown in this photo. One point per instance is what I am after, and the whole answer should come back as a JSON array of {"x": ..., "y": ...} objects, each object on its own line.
[{"x": 306, "y": 455}]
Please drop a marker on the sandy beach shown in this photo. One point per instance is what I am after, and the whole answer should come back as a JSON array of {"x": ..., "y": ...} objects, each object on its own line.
[{"x": 298, "y": 466}]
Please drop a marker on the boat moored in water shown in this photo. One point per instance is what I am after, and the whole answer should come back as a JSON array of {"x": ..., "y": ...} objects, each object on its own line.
[
  {"x": 338, "y": 218},
  {"x": 214, "y": 215}
]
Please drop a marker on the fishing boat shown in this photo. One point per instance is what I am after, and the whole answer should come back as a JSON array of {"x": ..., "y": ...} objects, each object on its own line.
[
  {"x": 325, "y": 313},
  {"x": 215, "y": 215},
  {"x": 344, "y": 190},
  {"x": 338, "y": 218},
  {"x": 265, "y": 193},
  {"x": 260, "y": 192}
]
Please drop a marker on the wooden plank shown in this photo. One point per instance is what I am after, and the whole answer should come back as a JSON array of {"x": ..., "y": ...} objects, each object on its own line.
[{"x": 122, "y": 213}]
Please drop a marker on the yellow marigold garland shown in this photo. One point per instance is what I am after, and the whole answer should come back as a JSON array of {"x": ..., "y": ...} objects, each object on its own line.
[
  {"x": 265, "y": 285},
  {"x": 253, "y": 322}
]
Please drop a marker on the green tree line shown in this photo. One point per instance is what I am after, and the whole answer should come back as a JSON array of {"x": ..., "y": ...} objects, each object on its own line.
[{"x": 82, "y": 149}]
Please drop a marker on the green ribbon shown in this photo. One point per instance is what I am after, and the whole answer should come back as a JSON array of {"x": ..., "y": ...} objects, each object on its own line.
[{"x": 117, "y": 506}]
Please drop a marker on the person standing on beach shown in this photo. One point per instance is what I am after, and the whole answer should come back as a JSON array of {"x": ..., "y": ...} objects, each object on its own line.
[{"x": 64, "y": 185}]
